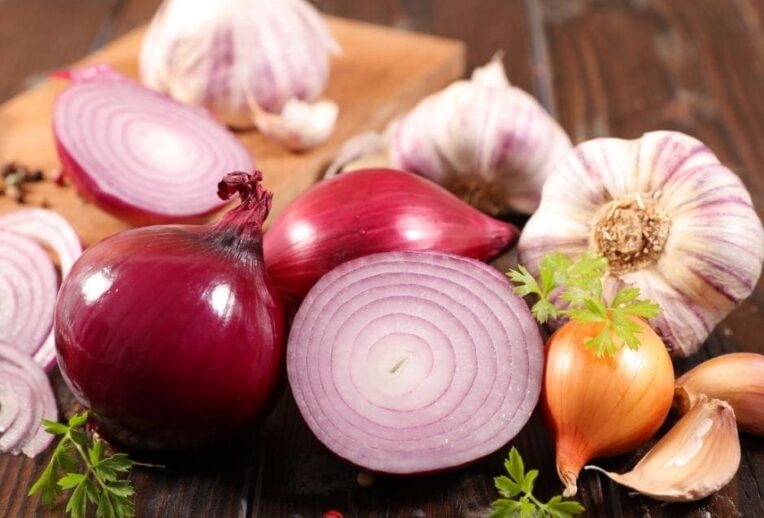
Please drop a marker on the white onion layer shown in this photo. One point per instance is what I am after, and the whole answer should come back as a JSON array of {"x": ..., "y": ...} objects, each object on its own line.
[
  {"x": 26, "y": 398},
  {"x": 28, "y": 288},
  {"x": 49, "y": 229},
  {"x": 413, "y": 362}
]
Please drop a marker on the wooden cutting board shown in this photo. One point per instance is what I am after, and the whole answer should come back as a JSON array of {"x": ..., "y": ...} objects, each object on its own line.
[{"x": 380, "y": 73}]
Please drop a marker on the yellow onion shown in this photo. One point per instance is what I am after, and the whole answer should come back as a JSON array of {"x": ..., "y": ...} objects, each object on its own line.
[{"x": 602, "y": 406}]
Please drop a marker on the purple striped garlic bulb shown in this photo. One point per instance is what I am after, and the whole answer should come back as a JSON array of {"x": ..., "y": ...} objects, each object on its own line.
[
  {"x": 670, "y": 219},
  {"x": 488, "y": 142},
  {"x": 251, "y": 62}
]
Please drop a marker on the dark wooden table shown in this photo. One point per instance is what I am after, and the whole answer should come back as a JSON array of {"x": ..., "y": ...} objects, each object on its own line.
[{"x": 615, "y": 68}]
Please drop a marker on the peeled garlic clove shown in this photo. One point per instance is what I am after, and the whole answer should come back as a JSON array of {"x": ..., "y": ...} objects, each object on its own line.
[
  {"x": 737, "y": 378},
  {"x": 670, "y": 219},
  {"x": 488, "y": 142},
  {"x": 696, "y": 458},
  {"x": 220, "y": 55}
]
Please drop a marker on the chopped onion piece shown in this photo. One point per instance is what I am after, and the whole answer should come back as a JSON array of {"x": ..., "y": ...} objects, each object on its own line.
[
  {"x": 139, "y": 154},
  {"x": 28, "y": 289},
  {"x": 25, "y": 387},
  {"x": 414, "y": 362}
]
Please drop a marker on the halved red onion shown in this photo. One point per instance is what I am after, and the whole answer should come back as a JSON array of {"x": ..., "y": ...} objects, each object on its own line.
[
  {"x": 49, "y": 229},
  {"x": 26, "y": 392},
  {"x": 137, "y": 153},
  {"x": 414, "y": 362},
  {"x": 28, "y": 288}
]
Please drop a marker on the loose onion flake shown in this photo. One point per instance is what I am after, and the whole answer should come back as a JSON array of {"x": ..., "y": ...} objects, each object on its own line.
[{"x": 414, "y": 362}]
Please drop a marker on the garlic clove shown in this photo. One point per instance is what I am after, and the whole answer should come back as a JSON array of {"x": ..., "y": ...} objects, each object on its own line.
[
  {"x": 492, "y": 74},
  {"x": 736, "y": 378},
  {"x": 300, "y": 125},
  {"x": 696, "y": 458}
]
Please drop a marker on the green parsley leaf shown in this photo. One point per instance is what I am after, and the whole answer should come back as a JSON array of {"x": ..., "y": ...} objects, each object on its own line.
[
  {"x": 520, "y": 484},
  {"x": 578, "y": 285},
  {"x": 78, "y": 464}
]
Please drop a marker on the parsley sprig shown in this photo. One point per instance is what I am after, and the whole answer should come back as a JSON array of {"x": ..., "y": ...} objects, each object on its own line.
[
  {"x": 579, "y": 285},
  {"x": 517, "y": 492},
  {"x": 98, "y": 483}
]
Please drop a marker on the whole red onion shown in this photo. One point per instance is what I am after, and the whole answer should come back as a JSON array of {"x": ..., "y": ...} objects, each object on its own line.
[
  {"x": 174, "y": 335},
  {"x": 371, "y": 211}
]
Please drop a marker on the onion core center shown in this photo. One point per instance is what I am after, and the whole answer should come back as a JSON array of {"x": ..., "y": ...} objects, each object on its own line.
[{"x": 631, "y": 232}]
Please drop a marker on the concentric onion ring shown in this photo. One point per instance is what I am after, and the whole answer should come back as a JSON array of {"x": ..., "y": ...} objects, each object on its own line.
[
  {"x": 139, "y": 154},
  {"x": 50, "y": 229},
  {"x": 28, "y": 288},
  {"x": 412, "y": 362},
  {"x": 26, "y": 398}
]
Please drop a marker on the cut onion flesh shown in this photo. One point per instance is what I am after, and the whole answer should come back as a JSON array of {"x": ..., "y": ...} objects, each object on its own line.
[
  {"x": 28, "y": 288},
  {"x": 51, "y": 230},
  {"x": 26, "y": 398},
  {"x": 414, "y": 362},
  {"x": 138, "y": 154}
]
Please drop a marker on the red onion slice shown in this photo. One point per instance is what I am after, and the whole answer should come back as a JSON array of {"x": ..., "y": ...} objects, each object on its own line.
[
  {"x": 25, "y": 387},
  {"x": 50, "y": 229},
  {"x": 414, "y": 362},
  {"x": 139, "y": 154},
  {"x": 28, "y": 288}
]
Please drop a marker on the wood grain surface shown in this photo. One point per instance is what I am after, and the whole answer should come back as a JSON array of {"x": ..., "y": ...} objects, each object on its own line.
[{"x": 618, "y": 67}]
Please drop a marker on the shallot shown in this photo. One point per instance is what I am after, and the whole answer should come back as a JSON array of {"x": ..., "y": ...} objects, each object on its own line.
[
  {"x": 138, "y": 154},
  {"x": 414, "y": 362},
  {"x": 373, "y": 211},
  {"x": 603, "y": 406},
  {"x": 248, "y": 61},
  {"x": 670, "y": 219},
  {"x": 173, "y": 335}
]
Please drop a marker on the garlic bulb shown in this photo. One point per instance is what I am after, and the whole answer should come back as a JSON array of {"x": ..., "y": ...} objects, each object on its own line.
[
  {"x": 737, "y": 378},
  {"x": 489, "y": 143},
  {"x": 248, "y": 61},
  {"x": 670, "y": 219},
  {"x": 696, "y": 458}
]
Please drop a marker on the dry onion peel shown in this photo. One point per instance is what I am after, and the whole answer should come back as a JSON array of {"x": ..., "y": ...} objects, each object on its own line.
[
  {"x": 670, "y": 219},
  {"x": 488, "y": 142},
  {"x": 697, "y": 457},
  {"x": 737, "y": 378},
  {"x": 248, "y": 61}
]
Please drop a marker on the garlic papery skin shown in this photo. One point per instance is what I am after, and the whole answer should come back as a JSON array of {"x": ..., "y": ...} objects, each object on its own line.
[
  {"x": 238, "y": 58},
  {"x": 737, "y": 378},
  {"x": 670, "y": 219},
  {"x": 489, "y": 143},
  {"x": 696, "y": 458}
]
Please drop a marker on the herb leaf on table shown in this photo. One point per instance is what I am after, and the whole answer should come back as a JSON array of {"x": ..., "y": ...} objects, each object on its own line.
[
  {"x": 97, "y": 483},
  {"x": 517, "y": 494}
]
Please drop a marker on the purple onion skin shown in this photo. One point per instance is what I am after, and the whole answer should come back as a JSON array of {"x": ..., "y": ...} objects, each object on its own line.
[
  {"x": 173, "y": 335},
  {"x": 372, "y": 211}
]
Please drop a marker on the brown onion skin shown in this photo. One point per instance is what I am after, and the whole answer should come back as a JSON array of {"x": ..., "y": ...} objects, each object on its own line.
[
  {"x": 599, "y": 407},
  {"x": 370, "y": 211},
  {"x": 173, "y": 335}
]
